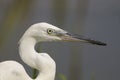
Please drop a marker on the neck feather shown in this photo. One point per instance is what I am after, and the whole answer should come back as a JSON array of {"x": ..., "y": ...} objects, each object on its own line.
[
  {"x": 28, "y": 55},
  {"x": 27, "y": 51}
]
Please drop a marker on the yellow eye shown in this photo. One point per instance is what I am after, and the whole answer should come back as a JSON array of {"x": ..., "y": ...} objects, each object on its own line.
[{"x": 50, "y": 31}]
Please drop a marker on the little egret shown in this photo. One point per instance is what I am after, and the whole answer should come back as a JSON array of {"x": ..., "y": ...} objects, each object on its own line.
[{"x": 40, "y": 32}]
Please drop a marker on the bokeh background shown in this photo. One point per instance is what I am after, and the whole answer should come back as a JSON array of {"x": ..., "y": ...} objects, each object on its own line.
[{"x": 97, "y": 19}]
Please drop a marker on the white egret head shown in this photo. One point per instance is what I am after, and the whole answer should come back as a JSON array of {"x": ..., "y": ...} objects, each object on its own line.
[{"x": 47, "y": 32}]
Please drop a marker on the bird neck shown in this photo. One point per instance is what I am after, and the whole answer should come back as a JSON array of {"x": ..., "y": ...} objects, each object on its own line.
[
  {"x": 27, "y": 51},
  {"x": 29, "y": 55}
]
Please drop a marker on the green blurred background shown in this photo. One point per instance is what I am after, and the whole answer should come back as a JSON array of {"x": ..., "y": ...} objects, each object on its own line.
[{"x": 98, "y": 19}]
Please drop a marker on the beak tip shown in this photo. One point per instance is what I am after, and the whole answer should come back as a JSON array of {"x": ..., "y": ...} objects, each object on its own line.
[{"x": 97, "y": 42}]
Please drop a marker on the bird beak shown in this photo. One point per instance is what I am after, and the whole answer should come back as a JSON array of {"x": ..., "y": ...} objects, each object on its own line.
[
  {"x": 70, "y": 37},
  {"x": 78, "y": 38}
]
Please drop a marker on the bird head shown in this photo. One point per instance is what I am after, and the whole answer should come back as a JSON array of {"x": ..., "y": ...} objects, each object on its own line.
[{"x": 43, "y": 32}]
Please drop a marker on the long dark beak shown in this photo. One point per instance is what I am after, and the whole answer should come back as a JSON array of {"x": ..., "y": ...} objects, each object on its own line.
[{"x": 75, "y": 37}]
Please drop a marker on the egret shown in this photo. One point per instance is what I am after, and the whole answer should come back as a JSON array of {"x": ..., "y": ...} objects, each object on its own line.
[{"x": 40, "y": 32}]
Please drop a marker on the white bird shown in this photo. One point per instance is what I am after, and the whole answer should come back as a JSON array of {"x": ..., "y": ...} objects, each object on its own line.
[{"x": 40, "y": 32}]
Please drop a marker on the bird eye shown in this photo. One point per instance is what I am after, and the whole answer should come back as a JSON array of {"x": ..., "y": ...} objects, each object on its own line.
[{"x": 50, "y": 31}]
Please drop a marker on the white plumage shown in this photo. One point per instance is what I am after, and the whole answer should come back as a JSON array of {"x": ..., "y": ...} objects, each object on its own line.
[{"x": 40, "y": 32}]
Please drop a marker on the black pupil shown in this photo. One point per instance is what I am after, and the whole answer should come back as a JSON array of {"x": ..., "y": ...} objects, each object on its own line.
[{"x": 50, "y": 30}]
